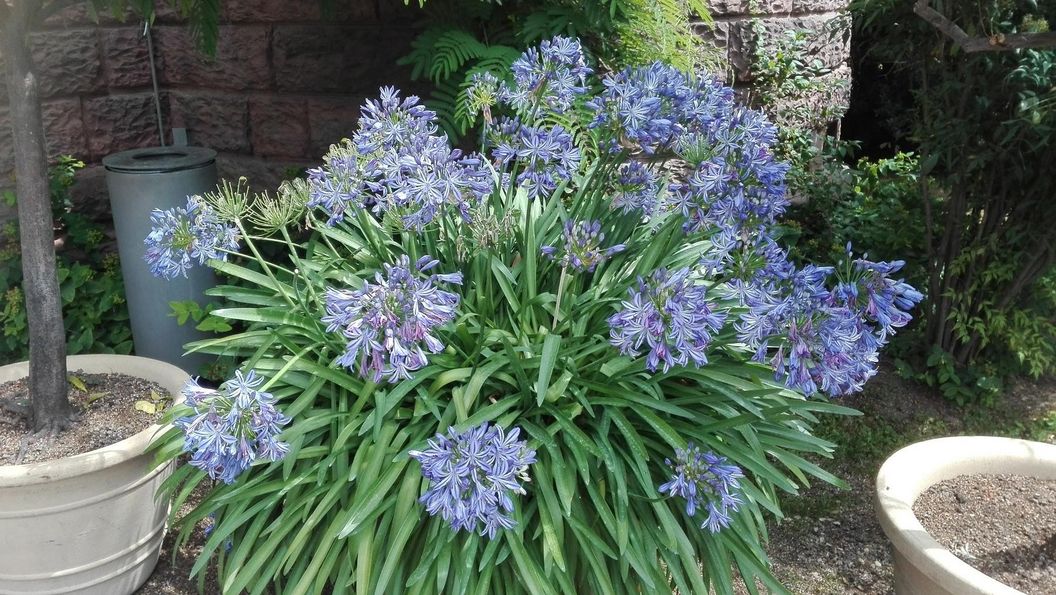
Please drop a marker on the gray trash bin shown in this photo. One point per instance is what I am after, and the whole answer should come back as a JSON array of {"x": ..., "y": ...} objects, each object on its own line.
[{"x": 140, "y": 181}]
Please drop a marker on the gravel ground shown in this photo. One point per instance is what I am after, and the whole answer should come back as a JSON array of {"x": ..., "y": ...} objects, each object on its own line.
[
  {"x": 1001, "y": 524},
  {"x": 836, "y": 546},
  {"x": 172, "y": 574},
  {"x": 107, "y": 415}
]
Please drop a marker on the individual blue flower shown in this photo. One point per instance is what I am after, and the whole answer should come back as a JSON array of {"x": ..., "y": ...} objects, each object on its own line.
[
  {"x": 707, "y": 481},
  {"x": 473, "y": 475},
  {"x": 582, "y": 246},
  {"x": 637, "y": 189},
  {"x": 391, "y": 324},
  {"x": 182, "y": 235},
  {"x": 553, "y": 74},
  {"x": 542, "y": 156},
  {"x": 232, "y": 427},
  {"x": 670, "y": 317}
]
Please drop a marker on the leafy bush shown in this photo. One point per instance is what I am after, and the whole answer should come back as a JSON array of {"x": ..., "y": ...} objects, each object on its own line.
[
  {"x": 514, "y": 343},
  {"x": 982, "y": 127},
  {"x": 873, "y": 203},
  {"x": 966, "y": 208},
  {"x": 93, "y": 293}
]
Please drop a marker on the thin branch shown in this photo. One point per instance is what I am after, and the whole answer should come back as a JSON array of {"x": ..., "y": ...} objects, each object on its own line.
[{"x": 994, "y": 43}]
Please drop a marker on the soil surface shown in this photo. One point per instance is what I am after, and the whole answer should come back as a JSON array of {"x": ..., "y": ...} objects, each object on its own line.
[
  {"x": 172, "y": 575},
  {"x": 1002, "y": 525},
  {"x": 107, "y": 414},
  {"x": 831, "y": 542}
]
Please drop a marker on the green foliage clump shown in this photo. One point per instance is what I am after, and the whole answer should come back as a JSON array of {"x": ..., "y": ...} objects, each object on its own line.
[
  {"x": 93, "y": 292},
  {"x": 983, "y": 124},
  {"x": 528, "y": 297}
]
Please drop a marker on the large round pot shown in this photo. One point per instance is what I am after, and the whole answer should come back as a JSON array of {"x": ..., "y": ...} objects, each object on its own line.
[
  {"x": 922, "y": 565},
  {"x": 87, "y": 523}
]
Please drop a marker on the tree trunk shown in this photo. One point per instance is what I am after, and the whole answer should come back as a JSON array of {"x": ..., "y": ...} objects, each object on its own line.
[{"x": 51, "y": 410}]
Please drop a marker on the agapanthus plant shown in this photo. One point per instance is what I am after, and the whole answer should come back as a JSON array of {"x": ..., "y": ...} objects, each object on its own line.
[{"x": 487, "y": 358}]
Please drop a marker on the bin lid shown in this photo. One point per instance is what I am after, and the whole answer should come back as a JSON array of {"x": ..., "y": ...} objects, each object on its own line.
[{"x": 156, "y": 160}]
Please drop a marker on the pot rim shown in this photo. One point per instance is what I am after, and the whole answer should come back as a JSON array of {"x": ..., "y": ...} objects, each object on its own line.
[
  {"x": 167, "y": 375},
  {"x": 912, "y": 470}
]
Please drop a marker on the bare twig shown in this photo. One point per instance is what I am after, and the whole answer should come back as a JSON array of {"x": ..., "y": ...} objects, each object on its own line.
[{"x": 993, "y": 43}]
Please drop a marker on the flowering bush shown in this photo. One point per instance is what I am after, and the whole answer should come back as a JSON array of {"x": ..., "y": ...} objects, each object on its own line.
[{"x": 515, "y": 342}]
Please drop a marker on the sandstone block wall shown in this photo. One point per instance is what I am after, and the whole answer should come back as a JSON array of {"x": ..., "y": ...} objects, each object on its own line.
[
  {"x": 287, "y": 81},
  {"x": 744, "y": 26}
]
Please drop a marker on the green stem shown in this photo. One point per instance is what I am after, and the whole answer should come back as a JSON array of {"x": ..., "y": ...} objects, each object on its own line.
[
  {"x": 560, "y": 292},
  {"x": 263, "y": 263},
  {"x": 297, "y": 262}
]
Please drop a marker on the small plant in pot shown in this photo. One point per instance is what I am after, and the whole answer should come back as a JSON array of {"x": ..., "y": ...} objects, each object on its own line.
[{"x": 547, "y": 366}]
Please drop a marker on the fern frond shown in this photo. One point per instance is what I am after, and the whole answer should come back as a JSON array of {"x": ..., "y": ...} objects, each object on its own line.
[
  {"x": 444, "y": 101},
  {"x": 203, "y": 17},
  {"x": 451, "y": 52},
  {"x": 421, "y": 54},
  {"x": 700, "y": 10}
]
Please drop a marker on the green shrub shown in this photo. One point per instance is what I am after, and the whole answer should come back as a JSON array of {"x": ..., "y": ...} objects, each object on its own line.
[
  {"x": 605, "y": 313},
  {"x": 93, "y": 293}
]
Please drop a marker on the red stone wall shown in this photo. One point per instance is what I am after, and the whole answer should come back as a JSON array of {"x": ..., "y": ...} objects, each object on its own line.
[{"x": 287, "y": 82}]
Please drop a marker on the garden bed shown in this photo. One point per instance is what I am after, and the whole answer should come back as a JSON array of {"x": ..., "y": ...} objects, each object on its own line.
[{"x": 831, "y": 543}]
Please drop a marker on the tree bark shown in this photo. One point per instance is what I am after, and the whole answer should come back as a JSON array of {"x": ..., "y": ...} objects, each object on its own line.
[{"x": 51, "y": 410}]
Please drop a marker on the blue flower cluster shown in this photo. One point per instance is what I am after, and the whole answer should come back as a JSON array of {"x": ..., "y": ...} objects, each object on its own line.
[
  {"x": 671, "y": 316},
  {"x": 582, "y": 249},
  {"x": 231, "y": 427},
  {"x": 543, "y": 155},
  {"x": 871, "y": 291},
  {"x": 390, "y": 323},
  {"x": 705, "y": 480},
  {"x": 398, "y": 162},
  {"x": 827, "y": 340},
  {"x": 180, "y": 235},
  {"x": 472, "y": 476},
  {"x": 637, "y": 189},
  {"x": 654, "y": 108},
  {"x": 737, "y": 187},
  {"x": 553, "y": 74}
]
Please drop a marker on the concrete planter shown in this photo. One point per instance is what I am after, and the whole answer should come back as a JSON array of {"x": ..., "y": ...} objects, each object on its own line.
[
  {"x": 88, "y": 523},
  {"x": 922, "y": 565}
]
